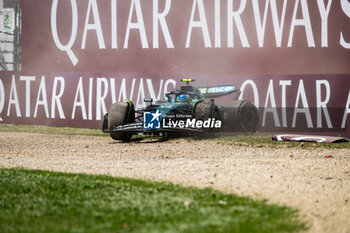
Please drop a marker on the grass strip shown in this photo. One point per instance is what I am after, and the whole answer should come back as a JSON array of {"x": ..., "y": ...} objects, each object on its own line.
[
  {"x": 50, "y": 130},
  {"x": 257, "y": 141},
  {"x": 41, "y": 201}
]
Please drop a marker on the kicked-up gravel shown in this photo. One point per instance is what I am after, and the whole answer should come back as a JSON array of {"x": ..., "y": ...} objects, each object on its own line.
[{"x": 301, "y": 178}]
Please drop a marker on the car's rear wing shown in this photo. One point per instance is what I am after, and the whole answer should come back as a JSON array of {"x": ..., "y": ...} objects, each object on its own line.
[{"x": 218, "y": 91}]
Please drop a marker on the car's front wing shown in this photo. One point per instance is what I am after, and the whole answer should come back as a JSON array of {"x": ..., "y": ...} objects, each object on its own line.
[{"x": 138, "y": 128}]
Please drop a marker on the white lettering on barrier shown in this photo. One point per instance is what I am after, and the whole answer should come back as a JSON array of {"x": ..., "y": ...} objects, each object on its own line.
[
  {"x": 284, "y": 84},
  {"x": 92, "y": 6},
  {"x": 151, "y": 89},
  {"x": 346, "y": 112},
  {"x": 202, "y": 24},
  {"x": 140, "y": 96},
  {"x": 81, "y": 103},
  {"x": 113, "y": 88},
  {"x": 278, "y": 25},
  {"x": 56, "y": 98},
  {"x": 132, "y": 89},
  {"x": 255, "y": 91},
  {"x": 114, "y": 24},
  {"x": 345, "y": 5},
  {"x": 14, "y": 99},
  {"x": 106, "y": 90},
  {"x": 217, "y": 24},
  {"x": 100, "y": 98},
  {"x": 273, "y": 109},
  {"x": 139, "y": 25},
  {"x": 305, "y": 109},
  {"x": 234, "y": 22},
  {"x": 324, "y": 20},
  {"x": 305, "y": 21},
  {"x": 122, "y": 91},
  {"x": 236, "y": 16},
  {"x": 322, "y": 104},
  {"x": 91, "y": 85},
  {"x": 42, "y": 98},
  {"x": 2, "y": 97},
  {"x": 27, "y": 80},
  {"x": 68, "y": 47},
  {"x": 103, "y": 91},
  {"x": 160, "y": 18},
  {"x": 167, "y": 83}
]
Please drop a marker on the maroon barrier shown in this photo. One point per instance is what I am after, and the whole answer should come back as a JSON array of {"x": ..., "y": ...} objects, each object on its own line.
[
  {"x": 311, "y": 103},
  {"x": 289, "y": 57},
  {"x": 186, "y": 36}
]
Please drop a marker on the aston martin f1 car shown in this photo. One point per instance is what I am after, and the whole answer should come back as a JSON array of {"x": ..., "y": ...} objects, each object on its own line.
[{"x": 189, "y": 110}]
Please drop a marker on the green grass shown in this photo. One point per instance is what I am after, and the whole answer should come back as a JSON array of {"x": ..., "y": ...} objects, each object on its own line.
[
  {"x": 255, "y": 141},
  {"x": 41, "y": 201},
  {"x": 58, "y": 130},
  {"x": 266, "y": 142},
  {"x": 50, "y": 130}
]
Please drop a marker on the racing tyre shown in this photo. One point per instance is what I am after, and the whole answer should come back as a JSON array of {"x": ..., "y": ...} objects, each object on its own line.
[
  {"x": 244, "y": 117},
  {"x": 120, "y": 114},
  {"x": 205, "y": 110},
  {"x": 105, "y": 122}
]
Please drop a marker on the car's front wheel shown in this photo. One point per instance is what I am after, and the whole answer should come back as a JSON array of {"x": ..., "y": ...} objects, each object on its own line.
[{"x": 121, "y": 113}]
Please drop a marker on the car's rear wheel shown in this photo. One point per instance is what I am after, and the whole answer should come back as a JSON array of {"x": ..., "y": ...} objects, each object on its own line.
[
  {"x": 205, "y": 110},
  {"x": 244, "y": 116},
  {"x": 120, "y": 114}
]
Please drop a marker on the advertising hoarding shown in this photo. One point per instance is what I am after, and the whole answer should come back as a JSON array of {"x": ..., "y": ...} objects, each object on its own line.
[{"x": 291, "y": 58}]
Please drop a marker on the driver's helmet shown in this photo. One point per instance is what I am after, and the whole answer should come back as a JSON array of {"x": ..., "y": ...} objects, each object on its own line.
[{"x": 183, "y": 98}]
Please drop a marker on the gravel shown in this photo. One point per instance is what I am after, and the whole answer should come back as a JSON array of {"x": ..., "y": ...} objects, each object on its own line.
[{"x": 297, "y": 177}]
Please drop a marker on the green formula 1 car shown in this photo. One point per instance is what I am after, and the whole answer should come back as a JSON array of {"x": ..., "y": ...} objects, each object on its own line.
[{"x": 190, "y": 110}]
